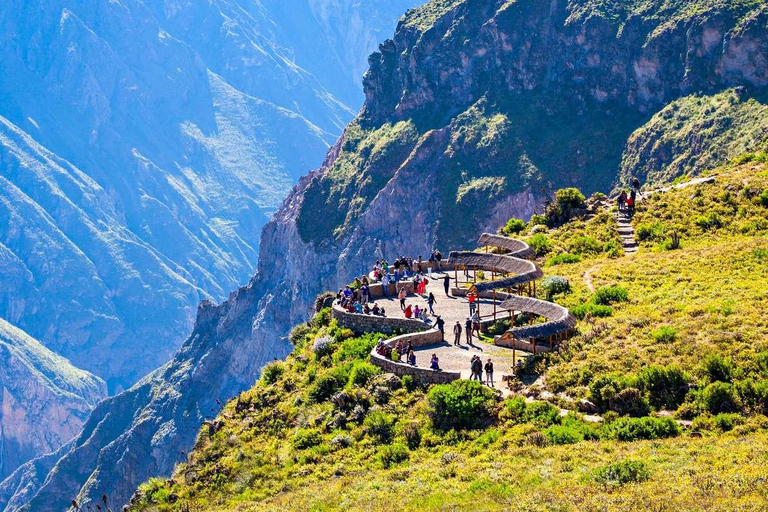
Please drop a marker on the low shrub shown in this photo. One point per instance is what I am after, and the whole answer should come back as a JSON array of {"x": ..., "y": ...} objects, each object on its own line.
[
  {"x": 562, "y": 259},
  {"x": 715, "y": 368},
  {"x": 611, "y": 295},
  {"x": 393, "y": 454},
  {"x": 605, "y": 386},
  {"x": 271, "y": 372},
  {"x": 540, "y": 244},
  {"x": 585, "y": 245},
  {"x": 306, "y": 438},
  {"x": 762, "y": 199},
  {"x": 633, "y": 429},
  {"x": 664, "y": 334},
  {"x": 322, "y": 346},
  {"x": 542, "y": 414},
  {"x": 328, "y": 383},
  {"x": 407, "y": 382},
  {"x": 720, "y": 397},
  {"x": 623, "y": 472},
  {"x": 380, "y": 424},
  {"x": 499, "y": 327},
  {"x": 462, "y": 404},
  {"x": 629, "y": 402},
  {"x": 538, "y": 220},
  {"x": 650, "y": 232},
  {"x": 561, "y": 434},
  {"x": 322, "y": 318},
  {"x": 555, "y": 285},
  {"x": 593, "y": 310},
  {"x": 513, "y": 226},
  {"x": 298, "y": 335},
  {"x": 709, "y": 221},
  {"x": 666, "y": 387},
  {"x": 361, "y": 373},
  {"x": 358, "y": 348}
]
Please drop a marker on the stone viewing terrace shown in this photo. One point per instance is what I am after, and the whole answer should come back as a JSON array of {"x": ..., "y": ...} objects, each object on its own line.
[{"x": 502, "y": 286}]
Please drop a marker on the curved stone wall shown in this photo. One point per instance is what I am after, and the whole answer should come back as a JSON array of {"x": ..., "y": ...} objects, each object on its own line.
[
  {"x": 360, "y": 323},
  {"x": 420, "y": 374}
]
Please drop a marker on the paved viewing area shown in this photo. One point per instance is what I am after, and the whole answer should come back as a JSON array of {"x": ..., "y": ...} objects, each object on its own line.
[{"x": 497, "y": 285}]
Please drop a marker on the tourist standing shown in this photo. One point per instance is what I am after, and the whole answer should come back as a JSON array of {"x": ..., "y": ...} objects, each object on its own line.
[
  {"x": 431, "y": 301},
  {"x": 440, "y": 327},
  {"x": 447, "y": 284},
  {"x": 476, "y": 324},
  {"x": 457, "y": 333},
  {"x": 489, "y": 373},
  {"x": 477, "y": 369},
  {"x": 401, "y": 295},
  {"x": 385, "y": 285},
  {"x": 468, "y": 330}
]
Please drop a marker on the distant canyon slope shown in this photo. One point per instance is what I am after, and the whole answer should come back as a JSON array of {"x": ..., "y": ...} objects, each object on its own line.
[
  {"x": 475, "y": 111},
  {"x": 143, "y": 145}
]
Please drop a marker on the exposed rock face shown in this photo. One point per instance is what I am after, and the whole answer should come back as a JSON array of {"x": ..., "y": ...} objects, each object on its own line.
[
  {"x": 474, "y": 112},
  {"x": 44, "y": 401}
]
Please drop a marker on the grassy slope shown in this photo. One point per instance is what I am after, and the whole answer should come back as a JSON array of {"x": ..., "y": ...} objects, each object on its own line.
[{"x": 276, "y": 451}]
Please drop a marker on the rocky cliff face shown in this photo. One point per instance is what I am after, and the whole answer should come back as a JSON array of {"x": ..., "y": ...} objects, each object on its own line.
[
  {"x": 474, "y": 112},
  {"x": 44, "y": 402}
]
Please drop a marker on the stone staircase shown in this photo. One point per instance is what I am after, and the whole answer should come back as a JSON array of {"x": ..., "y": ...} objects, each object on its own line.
[{"x": 626, "y": 232}]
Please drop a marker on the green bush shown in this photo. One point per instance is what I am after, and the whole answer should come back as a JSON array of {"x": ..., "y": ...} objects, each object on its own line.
[
  {"x": 306, "y": 438},
  {"x": 569, "y": 198},
  {"x": 514, "y": 226},
  {"x": 633, "y": 429},
  {"x": 623, "y": 472},
  {"x": 605, "y": 386},
  {"x": 611, "y": 295},
  {"x": 513, "y": 410},
  {"x": 666, "y": 387},
  {"x": 323, "y": 318},
  {"x": 560, "y": 434},
  {"x": 725, "y": 422},
  {"x": 380, "y": 424},
  {"x": 538, "y": 220},
  {"x": 715, "y": 368},
  {"x": 555, "y": 285},
  {"x": 613, "y": 249},
  {"x": 542, "y": 414},
  {"x": 271, "y": 372},
  {"x": 358, "y": 348},
  {"x": 762, "y": 199},
  {"x": 407, "y": 382},
  {"x": 594, "y": 310},
  {"x": 655, "y": 232},
  {"x": 328, "y": 383},
  {"x": 629, "y": 402},
  {"x": 499, "y": 327},
  {"x": 709, "y": 221},
  {"x": 393, "y": 454},
  {"x": 586, "y": 245},
  {"x": 540, "y": 244},
  {"x": 361, "y": 373},
  {"x": 298, "y": 335},
  {"x": 664, "y": 334},
  {"x": 564, "y": 258},
  {"x": 720, "y": 397},
  {"x": 462, "y": 404}
]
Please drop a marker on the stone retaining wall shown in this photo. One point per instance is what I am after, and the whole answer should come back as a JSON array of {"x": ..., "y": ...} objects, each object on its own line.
[
  {"x": 420, "y": 374},
  {"x": 369, "y": 323}
]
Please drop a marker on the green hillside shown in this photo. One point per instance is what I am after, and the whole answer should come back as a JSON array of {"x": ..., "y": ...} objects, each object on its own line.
[{"x": 672, "y": 348}]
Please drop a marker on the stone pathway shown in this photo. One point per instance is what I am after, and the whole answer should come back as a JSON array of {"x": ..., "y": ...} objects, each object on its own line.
[{"x": 626, "y": 232}]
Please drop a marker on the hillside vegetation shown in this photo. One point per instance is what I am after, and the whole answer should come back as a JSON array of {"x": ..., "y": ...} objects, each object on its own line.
[{"x": 672, "y": 350}]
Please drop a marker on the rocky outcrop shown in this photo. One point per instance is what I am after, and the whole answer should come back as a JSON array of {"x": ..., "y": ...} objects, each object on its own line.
[{"x": 44, "y": 401}]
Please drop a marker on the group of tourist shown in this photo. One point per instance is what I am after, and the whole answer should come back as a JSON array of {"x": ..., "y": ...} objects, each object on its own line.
[
  {"x": 627, "y": 202},
  {"x": 476, "y": 367},
  {"x": 356, "y": 301},
  {"x": 471, "y": 327}
]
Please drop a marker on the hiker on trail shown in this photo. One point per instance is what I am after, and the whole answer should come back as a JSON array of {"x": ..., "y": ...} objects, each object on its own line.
[
  {"x": 457, "y": 333},
  {"x": 468, "y": 330},
  {"x": 622, "y": 199},
  {"x": 476, "y": 324},
  {"x": 477, "y": 369},
  {"x": 441, "y": 327},
  {"x": 489, "y": 373},
  {"x": 446, "y": 284},
  {"x": 408, "y": 311},
  {"x": 412, "y": 358},
  {"x": 435, "y": 363},
  {"x": 636, "y": 183},
  {"x": 401, "y": 295},
  {"x": 431, "y": 301},
  {"x": 632, "y": 199}
]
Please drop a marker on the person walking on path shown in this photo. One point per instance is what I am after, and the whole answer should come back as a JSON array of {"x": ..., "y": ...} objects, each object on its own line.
[
  {"x": 440, "y": 327},
  {"x": 622, "y": 199},
  {"x": 431, "y": 301},
  {"x": 447, "y": 284},
  {"x": 476, "y": 324},
  {"x": 457, "y": 333},
  {"x": 468, "y": 330},
  {"x": 477, "y": 369},
  {"x": 489, "y": 373},
  {"x": 632, "y": 199},
  {"x": 401, "y": 295}
]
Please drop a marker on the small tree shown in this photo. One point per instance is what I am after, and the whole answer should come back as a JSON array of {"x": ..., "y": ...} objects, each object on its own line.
[{"x": 513, "y": 227}]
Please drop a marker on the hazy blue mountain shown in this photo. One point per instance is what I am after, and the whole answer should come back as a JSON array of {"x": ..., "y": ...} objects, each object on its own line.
[
  {"x": 44, "y": 400},
  {"x": 143, "y": 145}
]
